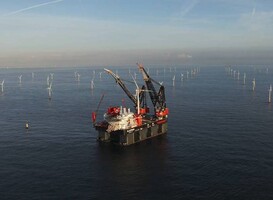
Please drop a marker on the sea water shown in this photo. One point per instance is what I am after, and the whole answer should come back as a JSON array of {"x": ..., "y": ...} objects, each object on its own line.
[{"x": 219, "y": 143}]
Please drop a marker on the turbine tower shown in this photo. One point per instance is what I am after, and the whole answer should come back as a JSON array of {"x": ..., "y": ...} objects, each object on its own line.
[
  {"x": 20, "y": 79},
  {"x": 253, "y": 84},
  {"x": 2, "y": 85},
  {"x": 269, "y": 93},
  {"x": 49, "y": 91}
]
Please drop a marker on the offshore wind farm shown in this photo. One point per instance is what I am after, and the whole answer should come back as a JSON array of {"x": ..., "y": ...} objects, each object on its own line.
[{"x": 217, "y": 124}]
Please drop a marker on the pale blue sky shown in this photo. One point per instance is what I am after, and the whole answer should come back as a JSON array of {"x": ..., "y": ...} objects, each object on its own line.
[{"x": 104, "y": 32}]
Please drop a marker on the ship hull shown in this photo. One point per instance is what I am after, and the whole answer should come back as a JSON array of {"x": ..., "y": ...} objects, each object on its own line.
[{"x": 133, "y": 135}]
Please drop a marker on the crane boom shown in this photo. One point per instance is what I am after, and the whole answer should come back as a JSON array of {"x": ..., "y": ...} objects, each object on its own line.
[
  {"x": 157, "y": 98},
  {"x": 122, "y": 85}
]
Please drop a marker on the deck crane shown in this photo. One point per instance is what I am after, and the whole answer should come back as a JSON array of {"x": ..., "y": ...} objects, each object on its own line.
[
  {"x": 157, "y": 98},
  {"x": 132, "y": 97}
]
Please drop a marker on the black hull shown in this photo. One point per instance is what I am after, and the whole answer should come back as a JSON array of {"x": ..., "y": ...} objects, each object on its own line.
[{"x": 133, "y": 135}]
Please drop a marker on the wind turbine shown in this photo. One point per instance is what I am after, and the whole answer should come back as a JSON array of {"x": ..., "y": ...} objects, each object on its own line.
[
  {"x": 47, "y": 80},
  {"x": 269, "y": 93},
  {"x": 100, "y": 74},
  {"x": 92, "y": 83},
  {"x": 20, "y": 79},
  {"x": 173, "y": 80},
  {"x": 50, "y": 91},
  {"x": 138, "y": 90},
  {"x": 78, "y": 77},
  {"x": 253, "y": 84},
  {"x": 32, "y": 75},
  {"x": 51, "y": 76},
  {"x": 2, "y": 85}
]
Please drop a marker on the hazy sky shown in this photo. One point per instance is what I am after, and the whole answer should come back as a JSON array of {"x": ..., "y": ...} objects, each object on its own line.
[{"x": 122, "y": 32}]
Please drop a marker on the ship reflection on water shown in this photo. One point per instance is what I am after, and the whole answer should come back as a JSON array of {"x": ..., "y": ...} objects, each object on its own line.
[{"x": 135, "y": 171}]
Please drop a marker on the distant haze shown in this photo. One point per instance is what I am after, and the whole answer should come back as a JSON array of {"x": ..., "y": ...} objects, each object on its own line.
[{"x": 148, "y": 57}]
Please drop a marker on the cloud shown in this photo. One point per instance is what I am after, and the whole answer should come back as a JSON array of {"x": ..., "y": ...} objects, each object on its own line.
[
  {"x": 32, "y": 7},
  {"x": 253, "y": 12},
  {"x": 257, "y": 21},
  {"x": 184, "y": 11}
]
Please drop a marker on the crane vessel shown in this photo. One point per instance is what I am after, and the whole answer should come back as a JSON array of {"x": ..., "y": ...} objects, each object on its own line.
[{"x": 122, "y": 126}]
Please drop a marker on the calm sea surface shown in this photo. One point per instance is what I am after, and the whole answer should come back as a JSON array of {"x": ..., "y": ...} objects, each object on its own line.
[{"x": 219, "y": 143}]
